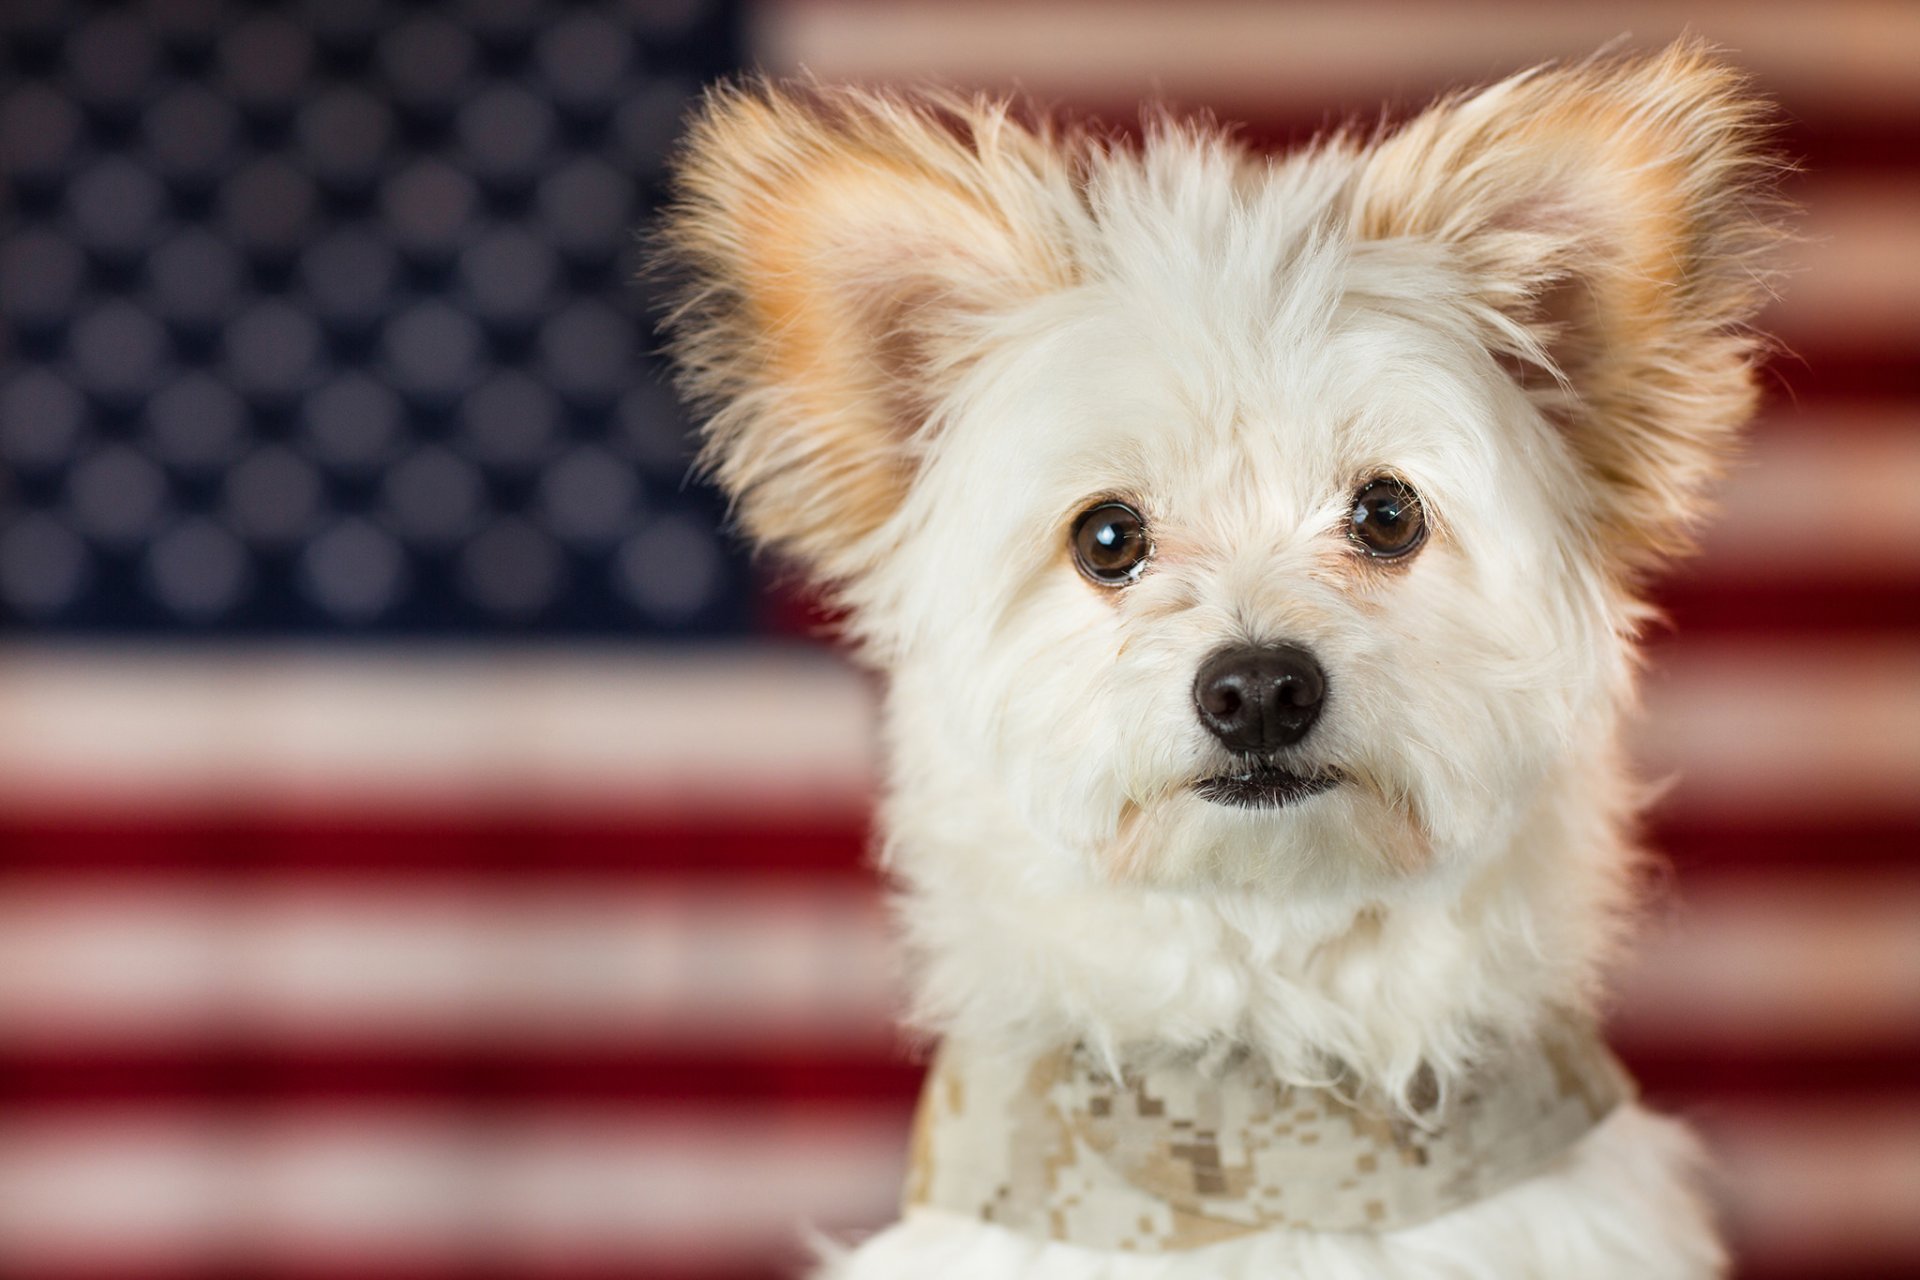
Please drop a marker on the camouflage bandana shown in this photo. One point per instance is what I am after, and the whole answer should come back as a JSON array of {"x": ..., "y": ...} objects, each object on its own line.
[{"x": 1181, "y": 1154}]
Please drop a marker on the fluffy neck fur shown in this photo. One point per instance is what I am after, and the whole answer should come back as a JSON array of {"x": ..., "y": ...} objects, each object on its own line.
[{"x": 1011, "y": 950}]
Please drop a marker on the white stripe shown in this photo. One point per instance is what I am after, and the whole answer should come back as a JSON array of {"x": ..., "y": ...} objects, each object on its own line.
[
  {"x": 1792, "y": 961},
  {"x": 321, "y": 1185},
  {"x": 1855, "y": 57},
  {"x": 1767, "y": 729},
  {"x": 1856, "y": 272},
  {"x": 441, "y": 967},
  {"x": 1831, "y": 1186},
  {"x": 1834, "y": 497},
  {"x": 1817, "y": 1187},
  {"x": 1788, "y": 962},
  {"x": 782, "y": 729}
]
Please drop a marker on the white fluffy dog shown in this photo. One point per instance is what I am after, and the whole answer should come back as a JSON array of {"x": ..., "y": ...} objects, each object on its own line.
[{"x": 1254, "y": 550}]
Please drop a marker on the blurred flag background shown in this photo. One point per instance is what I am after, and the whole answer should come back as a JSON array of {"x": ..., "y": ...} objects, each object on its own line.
[{"x": 427, "y": 847}]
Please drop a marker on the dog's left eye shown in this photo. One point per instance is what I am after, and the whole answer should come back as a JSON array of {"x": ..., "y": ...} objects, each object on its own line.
[
  {"x": 1110, "y": 544},
  {"x": 1386, "y": 519}
]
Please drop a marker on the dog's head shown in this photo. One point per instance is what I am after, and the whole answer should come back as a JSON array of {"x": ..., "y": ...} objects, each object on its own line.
[{"x": 1237, "y": 521}]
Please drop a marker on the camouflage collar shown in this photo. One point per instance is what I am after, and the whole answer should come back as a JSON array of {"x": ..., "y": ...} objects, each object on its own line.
[{"x": 1182, "y": 1154}]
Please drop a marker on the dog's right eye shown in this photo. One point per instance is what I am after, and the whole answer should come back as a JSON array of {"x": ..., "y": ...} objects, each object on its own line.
[
  {"x": 1110, "y": 544},
  {"x": 1387, "y": 522}
]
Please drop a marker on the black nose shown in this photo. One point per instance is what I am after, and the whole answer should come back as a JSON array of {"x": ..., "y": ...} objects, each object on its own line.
[{"x": 1258, "y": 700}]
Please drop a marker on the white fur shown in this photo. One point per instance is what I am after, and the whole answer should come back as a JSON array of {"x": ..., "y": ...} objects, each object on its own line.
[
  {"x": 931, "y": 338},
  {"x": 1228, "y": 368}
]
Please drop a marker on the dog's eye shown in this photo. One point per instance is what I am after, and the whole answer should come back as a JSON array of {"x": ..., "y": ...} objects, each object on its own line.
[
  {"x": 1110, "y": 544},
  {"x": 1386, "y": 520}
]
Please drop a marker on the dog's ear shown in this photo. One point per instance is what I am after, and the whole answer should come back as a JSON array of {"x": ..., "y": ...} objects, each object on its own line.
[
  {"x": 848, "y": 252},
  {"x": 1614, "y": 218}
]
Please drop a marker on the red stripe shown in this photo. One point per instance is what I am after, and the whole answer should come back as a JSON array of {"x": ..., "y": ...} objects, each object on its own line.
[
  {"x": 1822, "y": 145},
  {"x": 1834, "y": 413},
  {"x": 1876, "y": 607},
  {"x": 546, "y": 847},
  {"x": 635, "y": 1076},
  {"x": 1838, "y": 843},
  {"x": 1696, "y": 1075},
  {"x": 1856, "y": 366},
  {"x": 481, "y": 1260},
  {"x": 1762, "y": 1269},
  {"x": 643, "y": 846},
  {"x": 1675, "y": 1075}
]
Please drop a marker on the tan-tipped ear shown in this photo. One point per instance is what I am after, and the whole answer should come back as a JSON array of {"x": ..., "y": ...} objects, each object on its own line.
[
  {"x": 1615, "y": 216},
  {"x": 844, "y": 248}
]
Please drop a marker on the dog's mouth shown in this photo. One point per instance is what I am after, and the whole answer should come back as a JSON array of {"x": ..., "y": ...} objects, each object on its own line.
[{"x": 1261, "y": 785}]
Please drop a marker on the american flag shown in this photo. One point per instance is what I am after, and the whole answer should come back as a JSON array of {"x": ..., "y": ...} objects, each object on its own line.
[{"x": 428, "y": 847}]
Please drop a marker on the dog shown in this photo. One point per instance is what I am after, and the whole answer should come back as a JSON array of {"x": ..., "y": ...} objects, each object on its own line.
[{"x": 1255, "y": 550}]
